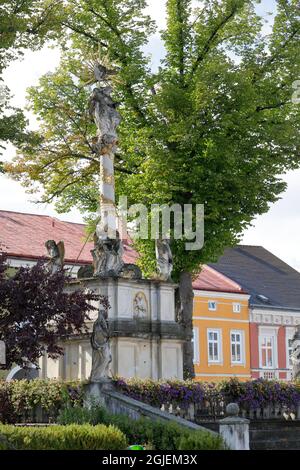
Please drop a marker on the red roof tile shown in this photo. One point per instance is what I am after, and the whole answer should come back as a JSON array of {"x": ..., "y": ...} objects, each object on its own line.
[
  {"x": 211, "y": 280},
  {"x": 24, "y": 236}
]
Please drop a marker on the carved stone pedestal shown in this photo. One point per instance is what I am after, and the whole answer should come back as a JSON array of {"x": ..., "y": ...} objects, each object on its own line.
[
  {"x": 146, "y": 340},
  {"x": 93, "y": 392}
]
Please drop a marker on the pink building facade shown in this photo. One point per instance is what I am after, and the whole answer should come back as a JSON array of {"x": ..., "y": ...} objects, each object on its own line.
[
  {"x": 271, "y": 333},
  {"x": 274, "y": 306}
]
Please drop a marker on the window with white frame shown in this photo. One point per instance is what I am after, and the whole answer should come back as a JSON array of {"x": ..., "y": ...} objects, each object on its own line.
[
  {"x": 236, "y": 308},
  {"x": 212, "y": 305},
  {"x": 267, "y": 352},
  {"x": 237, "y": 347},
  {"x": 214, "y": 345},
  {"x": 196, "y": 345}
]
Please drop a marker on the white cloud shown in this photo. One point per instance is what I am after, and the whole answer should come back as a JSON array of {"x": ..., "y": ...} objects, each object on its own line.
[
  {"x": 19, "y": 76},
  {"x": 279, "y": 229},
  {"x": 14, "y": 198},
  {"x": 25, "y": 73},
  {"x": 156, "y": 9}
]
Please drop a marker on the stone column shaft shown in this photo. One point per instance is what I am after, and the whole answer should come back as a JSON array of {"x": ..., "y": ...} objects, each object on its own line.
[{"x": 107, "y": 194}]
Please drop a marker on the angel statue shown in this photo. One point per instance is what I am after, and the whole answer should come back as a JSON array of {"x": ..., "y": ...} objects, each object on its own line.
[
  {"x": 103, "y": 111},
  {"x": 107, "y": 255},
  {"x": 102, "y": 73},
  {"x": 115, "y": 260},
  {"x": 100, "y": 255},
  {"x": 164, "y": 259},
  {"x": 101, "y": 350},
  {"x": 56, "y": 252},
  {"x": 295, "y": 356}
]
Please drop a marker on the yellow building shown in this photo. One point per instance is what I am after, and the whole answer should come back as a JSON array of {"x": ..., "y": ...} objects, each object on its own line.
[{"x": 221, "y": 328}]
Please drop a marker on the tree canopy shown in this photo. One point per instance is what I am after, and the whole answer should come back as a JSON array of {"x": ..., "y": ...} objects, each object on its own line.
[
  {"x": 23, "y": 26},
  {"x": 214, "y": 125}
]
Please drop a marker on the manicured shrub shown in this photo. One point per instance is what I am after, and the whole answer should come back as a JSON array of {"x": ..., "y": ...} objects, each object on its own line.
[
  {"x": 36, "y": 400},
  {"x": 7, "y": 411},
  {"x": 157, "y": 435},
  {"x": 73, "y": 437},
  {"x": 200, "y": 441},
  {"x": 161, "y": 435},
  {"x": 81, "y": 415}
]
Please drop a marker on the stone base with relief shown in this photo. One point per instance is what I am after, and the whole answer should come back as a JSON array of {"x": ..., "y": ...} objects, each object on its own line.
[{"x": 146, "y": 340}]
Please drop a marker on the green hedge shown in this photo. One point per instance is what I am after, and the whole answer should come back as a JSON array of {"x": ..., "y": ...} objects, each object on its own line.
[
  {"x": 36, "y": 400},
  {"x": 200, "y": 441},
  {"x": 72, "y": 437},
  {"x": 161, "y": 435},
  {"x": 80, "y": 415},
  {"x": 157, "y": 435}
]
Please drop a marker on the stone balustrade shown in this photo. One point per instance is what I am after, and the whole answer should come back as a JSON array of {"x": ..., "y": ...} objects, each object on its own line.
[{"x": 213, "y": 411}]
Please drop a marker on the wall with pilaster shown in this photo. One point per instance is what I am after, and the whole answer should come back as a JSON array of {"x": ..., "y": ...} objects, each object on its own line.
[{"x": 146, "y": 340}]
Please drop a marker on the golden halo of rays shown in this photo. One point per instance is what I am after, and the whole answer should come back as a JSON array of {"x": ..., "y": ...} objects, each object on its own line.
[{"x": 87, "y": 75}]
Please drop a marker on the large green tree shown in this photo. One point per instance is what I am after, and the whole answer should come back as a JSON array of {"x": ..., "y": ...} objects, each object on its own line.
[
  {"x": 24, "y": 24},
  {"x": 215, "y": 125}
]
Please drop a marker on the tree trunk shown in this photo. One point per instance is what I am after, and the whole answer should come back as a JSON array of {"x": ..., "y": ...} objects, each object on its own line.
[{"x": 184, "y": 304}]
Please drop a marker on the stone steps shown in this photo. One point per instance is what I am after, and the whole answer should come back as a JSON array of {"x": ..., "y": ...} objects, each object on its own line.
[
  {"x": 274, "y": 424},
  {"x": 282, "y": 444},
  {"x": 270, "y": 434},
  {"x": 275, "y": 435},
  {"x": 280, "y": 433}
]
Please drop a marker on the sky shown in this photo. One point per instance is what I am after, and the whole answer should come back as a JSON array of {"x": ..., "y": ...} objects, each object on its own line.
[{"x": 278, "y": 230}]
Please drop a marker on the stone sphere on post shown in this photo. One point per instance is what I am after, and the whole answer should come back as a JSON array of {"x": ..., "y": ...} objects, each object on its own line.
[{"x": 232, "y": 409}]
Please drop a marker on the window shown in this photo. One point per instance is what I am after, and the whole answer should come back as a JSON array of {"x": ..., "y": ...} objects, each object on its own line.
[
  {"x": 237, "y": 347},
  {"x": 237, "y": 308},
  {"x": 196, "y": 345},
  {"x": 212, "y": 305},
  {"x": 267, "y": 351},
  {"x": 214, "y": 345}
]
